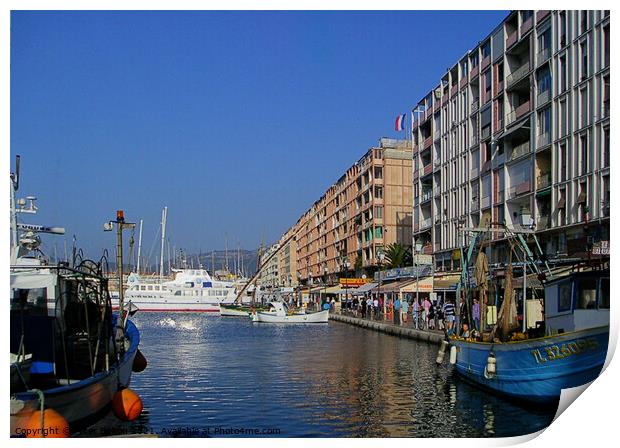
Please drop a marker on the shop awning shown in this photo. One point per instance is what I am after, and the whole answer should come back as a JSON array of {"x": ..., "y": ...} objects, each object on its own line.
[
  {"x": 422, "y": 285},
  {"x": 334, "y": 290},
  {"x": 395, "y": 286},
  {"x": 446, "y": 283},
  {"x": 366, "y": 288}
]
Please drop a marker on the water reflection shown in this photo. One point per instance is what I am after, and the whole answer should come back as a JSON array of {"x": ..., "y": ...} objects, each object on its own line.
[{"x": 324, "y": 380}]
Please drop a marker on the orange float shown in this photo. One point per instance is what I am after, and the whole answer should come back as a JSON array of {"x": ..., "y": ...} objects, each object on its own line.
[
  {"x": 54, "y": 425},
  {"x": 127, "y": 405}
]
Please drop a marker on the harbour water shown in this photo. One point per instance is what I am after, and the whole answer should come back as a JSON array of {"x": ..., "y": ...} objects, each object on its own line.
[{"x": 214, "y": 376}]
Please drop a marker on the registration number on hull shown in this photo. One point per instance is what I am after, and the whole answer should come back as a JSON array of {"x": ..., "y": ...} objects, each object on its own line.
[{"x": 561, "y": 351}]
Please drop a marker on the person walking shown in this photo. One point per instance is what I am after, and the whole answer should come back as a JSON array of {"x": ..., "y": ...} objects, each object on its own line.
[
  {"x": 449, "y": 315},
  {"x": 363, "y": 308},
  {"x": 415, "y": 313},
  {"x": 404, "y": 309},
  {"x": 397, "y": 311},
  {"x": 426, "y": 306},
  {"x": 475, "y": 311},
  {"x": 375, "y": 306}
]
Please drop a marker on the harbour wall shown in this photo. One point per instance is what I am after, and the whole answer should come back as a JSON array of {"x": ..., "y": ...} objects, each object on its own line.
[{"x": 395, "y": 330}]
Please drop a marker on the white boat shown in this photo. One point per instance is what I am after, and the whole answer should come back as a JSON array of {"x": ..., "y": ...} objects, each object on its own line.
[
  {"x": 190, "y": 290},
  {"x": 279, "y": 312}
]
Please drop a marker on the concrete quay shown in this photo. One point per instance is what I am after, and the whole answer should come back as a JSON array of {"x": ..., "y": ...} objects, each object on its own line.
[{"x": 390, "y": 328}]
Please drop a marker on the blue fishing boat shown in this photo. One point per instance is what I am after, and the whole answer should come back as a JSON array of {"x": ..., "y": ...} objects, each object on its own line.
[
  {"x": 70, "y": 354},
  {"x": 533, "y": 362}
]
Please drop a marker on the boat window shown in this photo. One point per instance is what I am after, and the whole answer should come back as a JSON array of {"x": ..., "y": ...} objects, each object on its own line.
[
  {"x": 564, "y": 296},
  {"x": 142, "y": 288},
  {"x": 33, "y": 299},
  {"x": 177, "y": 293},
  {"x": 156, "y": 288},
  {"x": 604, "y": 298},
  {"x": 586, "y": 294},
  {"x": 149, "y": 287}
]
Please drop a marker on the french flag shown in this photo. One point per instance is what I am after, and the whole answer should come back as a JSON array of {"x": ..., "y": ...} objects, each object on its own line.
[{"x": 400, "y": 122}]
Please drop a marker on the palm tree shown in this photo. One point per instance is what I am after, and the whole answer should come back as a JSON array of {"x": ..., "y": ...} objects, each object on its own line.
[{"x": 398, "y": 256}]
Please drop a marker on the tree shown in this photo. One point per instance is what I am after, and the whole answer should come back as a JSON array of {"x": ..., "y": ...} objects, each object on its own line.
[{"x": 398, "y": 256}]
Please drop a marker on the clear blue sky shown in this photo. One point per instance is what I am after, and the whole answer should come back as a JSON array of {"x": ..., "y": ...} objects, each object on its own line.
[{"x": 237, "y": 121}]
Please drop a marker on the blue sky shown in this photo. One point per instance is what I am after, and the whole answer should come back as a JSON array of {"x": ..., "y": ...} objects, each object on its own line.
[{"x": 237, "y": 121}]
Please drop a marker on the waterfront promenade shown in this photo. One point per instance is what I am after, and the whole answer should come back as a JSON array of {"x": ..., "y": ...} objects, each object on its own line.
[{"x": 386, "y": 325}]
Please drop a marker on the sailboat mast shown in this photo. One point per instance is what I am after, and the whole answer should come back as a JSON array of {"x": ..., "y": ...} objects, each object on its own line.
[
  {"x": 163, "y": 237},
  {"x": 139, "y": 248}
]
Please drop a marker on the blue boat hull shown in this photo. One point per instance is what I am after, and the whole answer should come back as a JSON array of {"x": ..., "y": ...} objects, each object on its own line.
[{"x": 535, "y": 370}]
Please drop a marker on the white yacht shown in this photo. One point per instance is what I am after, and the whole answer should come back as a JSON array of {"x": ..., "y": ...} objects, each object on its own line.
[{"x": 191, "y": 290}]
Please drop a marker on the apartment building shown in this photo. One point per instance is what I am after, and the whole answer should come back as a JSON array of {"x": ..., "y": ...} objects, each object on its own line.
[
  {"x": 517, "y": 131},
  {"x": 368, "y": 208},
  {"x": 287, "y": 260},
  {"x": 270, "y": 273}
]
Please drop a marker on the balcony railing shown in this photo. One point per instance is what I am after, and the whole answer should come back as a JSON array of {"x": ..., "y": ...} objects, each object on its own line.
[
  {"x": 527, "y": 25},
  {"x": 485, "y": 133},
  {"x": 518, "y": 74},
  {"x": 518, "y": 112},
  {"x": 519, "y": 189},
  {"x": 474, "y": 172},
  {"x": 427, "y": 195},
  {"x": 475, "y": 104},
  {"x": 543, "y": 139},
  {"x": 540, "y": 15},
  {"x": 543, "y": 181},
  {"x": 485, "y": 202},
  {"x": 427, "y": 250},
  {"x": 499, "y": 197},
  {"x": 428, "y": 142},
  {"x": 436, "y": 191},
  {"x": 542, "y": 223},
  {"x": 426, "y": 170},
  {"x": 485, "y": 62},
  {"x": 520, "y": 150},
  {"x": 426, "y": 223},
  {"x": 543, "y": 97},
  {"x": 474, "y": 140},
  {"x": 475, "y": 206},
  {"x": 543, "y": 55},
  {"x": 511, "y": 39}
]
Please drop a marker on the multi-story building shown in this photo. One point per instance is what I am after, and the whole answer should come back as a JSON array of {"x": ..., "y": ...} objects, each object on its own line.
[
  {"x": 287, "y": 260},
  {"x": 517, "y": 131},
  {"x": 269, "y": 275},
  {"x": 368, "y": 208}
]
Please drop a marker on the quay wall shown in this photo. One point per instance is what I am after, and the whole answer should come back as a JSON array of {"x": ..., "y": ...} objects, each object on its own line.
[{"x": 395, "y": 330}]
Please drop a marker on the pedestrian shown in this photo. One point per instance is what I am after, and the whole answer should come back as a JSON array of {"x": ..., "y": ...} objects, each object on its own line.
[
  {"x": 415, "y": 313},
  {"x": 449, "y": 315},
  {"x": 356, "y": 303},
  {"x": 432, "y": 315},
  {"x": 475, "y": 311},
  {"x": 363, "y": 307},
  {"x": 426, "y": 305},
  {"x": 397, "y": 311},
  {"x": 375, "y": 305},
  {"x": 404, "y": 308}
]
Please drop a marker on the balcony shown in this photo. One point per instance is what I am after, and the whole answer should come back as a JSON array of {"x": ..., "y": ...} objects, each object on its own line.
[
  {"x": 428, "y": 169},
  {"x": 474, "y": 140},
  {"x": 512, "y": 39},
  {"x": 474, "y": 206},
  {"x": 427, "y": 249},
  {"x": 541, "y": 15},
  {"x": 543, "y": 140},
  {"x": 485, "y": 62},
  {"x": 518, "y": 112},
  {"x": 543, "y": 222},
  {"x": 485, "y": 133},
  {"x": 543, "y": 55},
  {"x": 474, "y": 72},
  {"x": 428, "y": 141},
  {"x": 498, "y": 160},
  {"x": 543, "y": 181},
  {"x": 474, "y": 172},
  {"x": 453, "y": 90},
  {"x": 518, "y": 74},
  {"x": 499, "y": 197},
  {"x": 436, "y": 191},
  {"x": 543, "y": 97},
  {"x": 463, "y": 82},
  {"x": 520, "y": 150}
]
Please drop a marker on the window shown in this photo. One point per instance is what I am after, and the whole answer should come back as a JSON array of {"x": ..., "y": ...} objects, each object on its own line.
[
  {"x": 486, "y": 50},
  {"x": 606, "y": 152},
  {"x": 583, "y": 48},
  {"x": 378, "y": 172},
  {"x": 378, "y": 192},
  {"x": 563, "y": 163},
  {"x": 563, "y": 75},
  {"x": 606, "y": 40},
  {"x": 379, "y": 212},
  {"x": 564, "y": 296},
  {"x": 378, "y": 232},
  {"x": 544, "y": 81},
  {"x": 544, "y": 121},
  {"x": 526, "y": 15},
  {"x": 606, "y": 96},
  {"x": 562, "y": 28},
  {"x": 586, "y": 294},
  {"x": 604, "y": 295},
  {"x": 487, "y": 82},
  {"x": 544, "y": 41},
  {"x": 33, "y": 299},
  {"x": 583, "y": 108},
  {"x": 474, "y": 60},
  {"x": 583, "y": 140},
  {"x": 583, "y": 24},
  {"x": 563, "y": 118}
]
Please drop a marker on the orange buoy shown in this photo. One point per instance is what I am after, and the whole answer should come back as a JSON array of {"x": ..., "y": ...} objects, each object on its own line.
[
  {"x": 54, "y": 425},
  {"x": 139, "y": 362},
  {"x": 127, "y": 405}
]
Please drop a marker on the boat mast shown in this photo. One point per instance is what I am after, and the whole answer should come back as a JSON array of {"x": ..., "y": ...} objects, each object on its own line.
[
  {"x": 139, "y": 248},
  {"x": 164, "y": 214}
]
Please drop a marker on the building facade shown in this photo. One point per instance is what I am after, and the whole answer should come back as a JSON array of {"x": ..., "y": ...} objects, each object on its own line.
[
  {"x": 517, "y": 131},
  {"x": 368, "y": 208}
]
